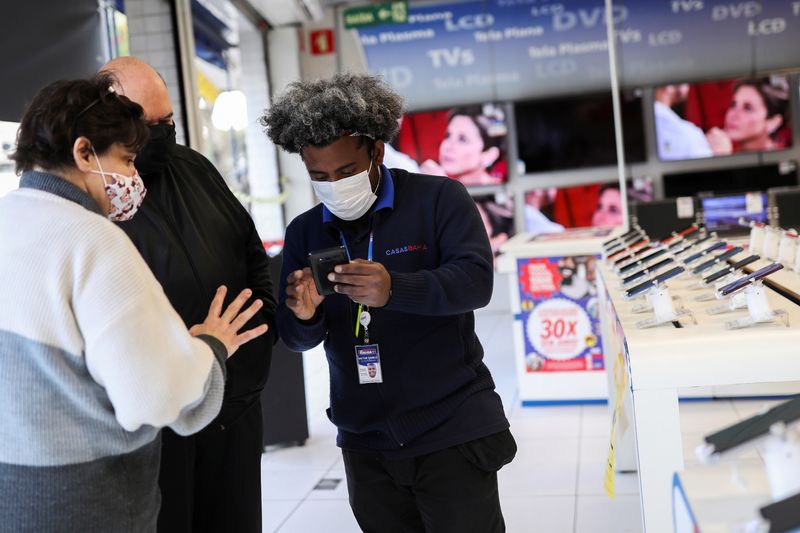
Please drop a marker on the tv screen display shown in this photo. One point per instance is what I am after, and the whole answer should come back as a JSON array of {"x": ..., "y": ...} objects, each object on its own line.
[
  {"x": 721, "y": 118},
  {"x": 722, "y": 213},
  {"x": 577, "y": 131},
  {"x": 552, "y": 210},
  {"x": 497, "y": 213},
  {"x": 464, "y": 143},
  {"x": 730, "y": 180}
]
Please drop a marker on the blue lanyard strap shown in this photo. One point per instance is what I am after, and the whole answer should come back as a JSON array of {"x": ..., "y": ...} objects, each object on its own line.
[
  {"x": 349, "y": 258},
  {"x": 369, "y": 248}
]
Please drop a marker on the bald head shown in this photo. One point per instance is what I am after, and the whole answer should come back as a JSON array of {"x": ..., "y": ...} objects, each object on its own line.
[{"x": 141, "y": 83}]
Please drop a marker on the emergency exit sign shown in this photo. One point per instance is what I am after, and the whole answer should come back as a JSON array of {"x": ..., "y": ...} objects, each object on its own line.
[{"x": 374, "y": 15}]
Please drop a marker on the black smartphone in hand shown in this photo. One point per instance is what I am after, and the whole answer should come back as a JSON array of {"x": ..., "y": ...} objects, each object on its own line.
[{"x": 322, "y": 263}]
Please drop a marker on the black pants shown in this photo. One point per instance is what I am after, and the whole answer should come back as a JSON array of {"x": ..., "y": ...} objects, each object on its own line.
[
  {"x": 452, "y": 490},
  {"x": 211, "y": 481}
]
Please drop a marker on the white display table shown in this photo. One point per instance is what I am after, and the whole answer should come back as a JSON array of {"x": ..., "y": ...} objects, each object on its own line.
[
  {"x": 659, "y": 361},
  {"x": 556, "y": 325}
]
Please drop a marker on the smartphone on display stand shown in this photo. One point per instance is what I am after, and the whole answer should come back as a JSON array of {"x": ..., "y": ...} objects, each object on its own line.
[
  {"x": 713, "y": 248},
  {"x": 322, "y": 263},
  {"x": 643, "y": 260},
  {"x": 691, "y": 244},
  {"x": 632, "y": 254},
  {"x": 721, "y": 273},
  {"x": 702, "y": 267},
  {"x": 743, "y": 282},
  {"x": 647, "y": 270},
  {"x": 682, "y": 234},
  {"x": 628, "y": 250},
  {"x": 619, "y": 239},
  {"x": 661, "y": 278}
]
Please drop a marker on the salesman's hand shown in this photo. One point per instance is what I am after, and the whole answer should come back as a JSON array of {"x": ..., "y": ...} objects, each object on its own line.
[
  {"x": 225, "y": 326},
  {"x": 301, "y": 294},
  {"x": 363, "y": 281}
]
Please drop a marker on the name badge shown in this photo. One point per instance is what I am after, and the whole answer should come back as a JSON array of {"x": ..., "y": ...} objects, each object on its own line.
[{"x": 368, "y": 361}]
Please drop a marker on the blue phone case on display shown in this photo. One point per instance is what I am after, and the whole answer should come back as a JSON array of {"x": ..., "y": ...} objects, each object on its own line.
[
  {"x": 669, "y": 274},
  {"x": 692, "y": 244},
  {"x": 643, "y": 260},
  {"x": 647, "y": 270},
  {"x": 743, "y": 282},
  {"x": 721, "y": 257},
  {"x": 721, "y": 273},
  {"x": 714, "y": 247}
]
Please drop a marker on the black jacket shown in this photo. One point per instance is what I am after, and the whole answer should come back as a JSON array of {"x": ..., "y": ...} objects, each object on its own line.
[
  {"x": 437, "y": 392},
  {"x": 195, "y": 236}
]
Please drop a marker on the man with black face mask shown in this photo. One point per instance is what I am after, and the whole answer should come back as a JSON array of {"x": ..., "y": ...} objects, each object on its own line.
[{"x": 195, "y": 236}]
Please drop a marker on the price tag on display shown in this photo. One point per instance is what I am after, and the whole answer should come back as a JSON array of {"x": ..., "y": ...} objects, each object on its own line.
[
  {"x": 685, "y": 207},
  {"x": 754, "y": 202},
  {"x": 620, "y": 379}
]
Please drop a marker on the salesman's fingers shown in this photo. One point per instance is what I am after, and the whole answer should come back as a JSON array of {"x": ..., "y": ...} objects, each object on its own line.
[
  {"x": 350, "y": 279},
  {"x": 294, "y": 277},
  {"x": 355, "y": 293},
  {"x": 357, "y": 267},
  {"x": 243, "y": 317},
  {"x": 236, "y": 305}
]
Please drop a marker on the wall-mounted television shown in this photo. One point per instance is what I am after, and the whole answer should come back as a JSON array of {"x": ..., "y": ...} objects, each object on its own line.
[
  {"x": 497, "y": 213},
  {"x": 465, "y": 143},
  {"x": 577, "y": 131},
  {"x": 721, "y": 118},
  {"x": 730, "y": 180},
  {"x": 551, "y": 210},
  {"x": 722, "y": 213}
]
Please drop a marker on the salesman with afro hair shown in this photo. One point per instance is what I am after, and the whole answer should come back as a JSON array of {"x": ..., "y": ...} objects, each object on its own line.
[{"x": 423, "y": 433}]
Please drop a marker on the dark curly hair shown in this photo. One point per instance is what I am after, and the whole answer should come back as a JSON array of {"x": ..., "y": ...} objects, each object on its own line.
[
  {"x": 66, "y": 110},
  {"x": 316, "y": 113}
]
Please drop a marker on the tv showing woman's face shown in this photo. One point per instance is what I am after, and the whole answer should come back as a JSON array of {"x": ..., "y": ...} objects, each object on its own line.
[{"x": 462, "y": 148}]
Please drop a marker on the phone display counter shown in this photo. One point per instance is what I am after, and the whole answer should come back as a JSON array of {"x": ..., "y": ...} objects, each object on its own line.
[
  {"x": 649, "y": 365},
  {"x": 557, "y": 344}
]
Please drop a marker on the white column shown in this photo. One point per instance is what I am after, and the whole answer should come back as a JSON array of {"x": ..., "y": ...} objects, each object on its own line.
[
  {"x": 284, "y": 68},
  {"x": 660, "y": 454},
  {"x": 262, "y": 159}
]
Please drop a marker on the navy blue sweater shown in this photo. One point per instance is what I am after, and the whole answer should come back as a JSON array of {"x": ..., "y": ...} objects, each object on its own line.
[{"x": 436, "y": 390}]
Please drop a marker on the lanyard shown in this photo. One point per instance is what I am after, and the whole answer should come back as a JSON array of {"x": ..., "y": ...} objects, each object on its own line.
[{"x": 369, "y": 258}]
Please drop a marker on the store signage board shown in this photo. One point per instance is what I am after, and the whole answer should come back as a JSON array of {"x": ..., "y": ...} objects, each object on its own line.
[
  {"x": 514, "y": 49},
  {"x": 561, "y": 330},
  {"x": 373, "y": 15}
]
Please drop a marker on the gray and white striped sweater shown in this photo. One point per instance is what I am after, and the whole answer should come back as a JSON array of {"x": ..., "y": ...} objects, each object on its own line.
[{"x": 93, "y": 361}]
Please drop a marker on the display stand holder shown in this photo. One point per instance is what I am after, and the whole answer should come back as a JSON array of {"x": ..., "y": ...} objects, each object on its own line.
[
  {"x": 661, "y": 302},
  {"x": 781, "y": 453},
  {"x": 734, "y": 303},
  {"x": 721, "y": 282},
  {"x": 787, "y": 249},
  {"x": 756, "y": 238},
  {"x": 772, "y": 238},
  {"x": 754, "y": 297}
]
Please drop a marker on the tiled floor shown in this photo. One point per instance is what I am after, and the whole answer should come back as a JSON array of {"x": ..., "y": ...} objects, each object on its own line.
[{"x": 555, "y": 484}]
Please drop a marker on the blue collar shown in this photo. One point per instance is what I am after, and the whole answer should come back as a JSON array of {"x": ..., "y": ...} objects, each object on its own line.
[
  {"x": 44, "y": 181},
  {"x": 385, "y": 196}
]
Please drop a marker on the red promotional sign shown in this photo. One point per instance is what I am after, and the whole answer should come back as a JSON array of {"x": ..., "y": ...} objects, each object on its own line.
[{"x": 321, "y": 42}]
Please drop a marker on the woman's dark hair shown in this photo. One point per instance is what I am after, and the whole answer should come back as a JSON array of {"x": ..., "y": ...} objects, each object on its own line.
[
  {"x": 66, "y": 110},
  {"x": 491, "y": 126},
  {"x": 774, "y": 91}
]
